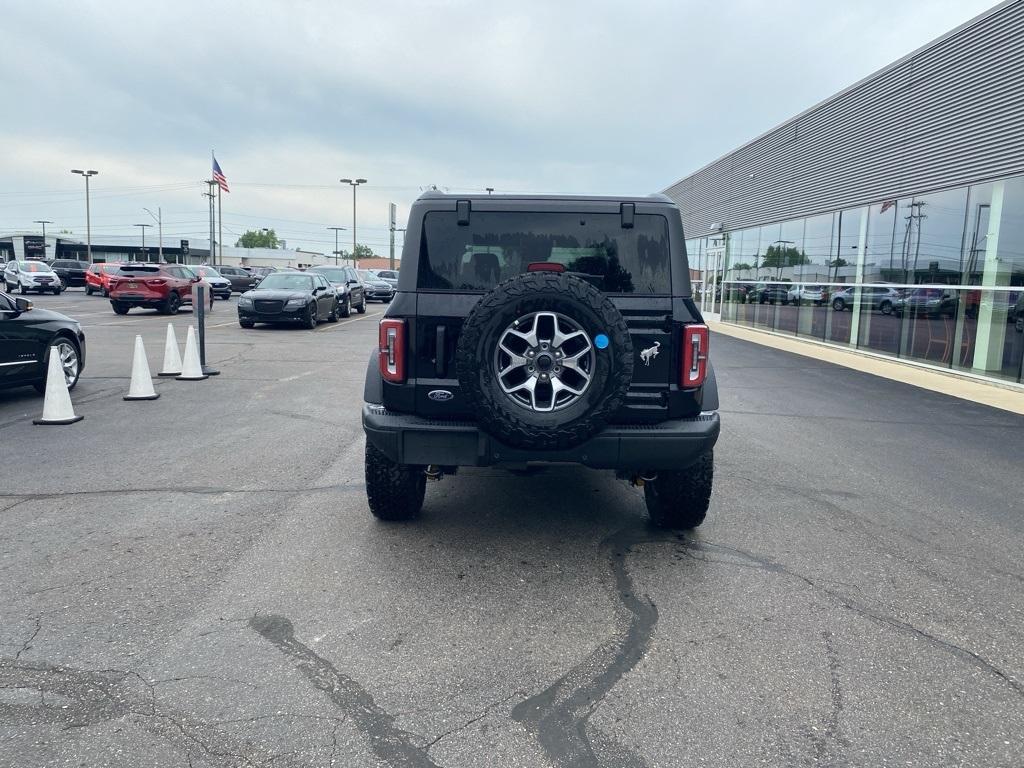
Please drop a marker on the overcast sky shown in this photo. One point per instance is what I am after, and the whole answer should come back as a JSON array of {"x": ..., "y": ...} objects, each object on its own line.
[{"x": 590, "y": 97}]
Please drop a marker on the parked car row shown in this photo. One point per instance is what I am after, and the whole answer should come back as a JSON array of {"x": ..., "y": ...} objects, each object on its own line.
[{"x": 311, "y": 295}]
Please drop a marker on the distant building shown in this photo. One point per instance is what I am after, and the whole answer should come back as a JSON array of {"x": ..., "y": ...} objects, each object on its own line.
[{"x": 30, "y": 245}]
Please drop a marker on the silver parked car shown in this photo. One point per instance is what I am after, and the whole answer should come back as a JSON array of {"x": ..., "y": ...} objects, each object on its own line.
[{"x": 31, "y": 275}]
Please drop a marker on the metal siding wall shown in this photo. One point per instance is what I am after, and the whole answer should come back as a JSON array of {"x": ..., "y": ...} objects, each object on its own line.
[{"x": 950, "y": 115}]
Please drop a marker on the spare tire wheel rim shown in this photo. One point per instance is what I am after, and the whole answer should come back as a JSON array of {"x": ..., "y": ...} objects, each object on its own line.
[{"x": 544, "y": 361}]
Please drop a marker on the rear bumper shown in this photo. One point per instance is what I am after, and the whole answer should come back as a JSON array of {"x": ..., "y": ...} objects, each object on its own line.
[
  {"x": 668, "y": 445},
  {"x": 139, "y": 298}
]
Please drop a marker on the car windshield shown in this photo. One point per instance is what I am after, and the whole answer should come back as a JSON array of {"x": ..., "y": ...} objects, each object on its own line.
[
  {"x": 334, "y": 274},
  {"x": 283, "y": 281},
  {"x": 208, "y": 272},
  {"x": 34, "y": 266},
  {"x": 365, "y": 274},
  {"x": 497, "y": 246}
]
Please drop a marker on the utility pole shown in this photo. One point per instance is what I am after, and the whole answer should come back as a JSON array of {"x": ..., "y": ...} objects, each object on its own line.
[
  {"x": 355, "y": 184},
  {"x": 213, "y": 241},
  {"x": 159, "y": 219},
  {"x": 490, "y": 190},
  {"x": 915, "y": 214},
  {"x": 336, "y": 252},
  {"x": 143, "y": 226},
  {"x": 391, "y": 231},
  {"x": 88, "y": 225},
  {"x": 220, "y": 228},
  {"x": 44, "y": 222}
]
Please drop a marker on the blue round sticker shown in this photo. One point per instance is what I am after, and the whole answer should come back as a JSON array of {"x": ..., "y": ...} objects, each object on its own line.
[{"x": 601, "y": 341}]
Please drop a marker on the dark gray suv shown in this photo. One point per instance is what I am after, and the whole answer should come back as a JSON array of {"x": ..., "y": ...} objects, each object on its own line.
[{"x": 541, "y": 330}]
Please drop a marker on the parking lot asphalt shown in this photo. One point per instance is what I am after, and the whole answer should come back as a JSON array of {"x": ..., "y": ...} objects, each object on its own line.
[{"x": 197, "y": 581}]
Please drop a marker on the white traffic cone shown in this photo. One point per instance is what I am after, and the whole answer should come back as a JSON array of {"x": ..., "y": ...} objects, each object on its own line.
[
  {"x": 172, "y": 359},
  {"x": 57, "y": 407},
  {"x": 141, "y": 387},
  {"x": 192, "y": 369}
]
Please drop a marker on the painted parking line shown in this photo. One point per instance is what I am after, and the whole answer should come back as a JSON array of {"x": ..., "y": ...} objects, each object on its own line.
[{"x": 346, "y": 322}]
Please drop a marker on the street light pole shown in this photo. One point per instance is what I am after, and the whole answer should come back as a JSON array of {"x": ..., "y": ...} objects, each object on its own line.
[
  {"x": 336, "y": 230},
  {"x": 159, "y": 219},
  {"x": 88, "y": 225},
  {"x": 44, "y": 222},
  {"x": 143, "y": 226},
  {"x": 355, "y": 184}
]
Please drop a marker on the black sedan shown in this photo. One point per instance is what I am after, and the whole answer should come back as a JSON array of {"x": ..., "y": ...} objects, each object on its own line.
[
  {"x": 241, "y": 280},
  {"x": 289, "y": 297},
  {"x": 26, "y": 337},
  {"x": 347, "y": 285}
]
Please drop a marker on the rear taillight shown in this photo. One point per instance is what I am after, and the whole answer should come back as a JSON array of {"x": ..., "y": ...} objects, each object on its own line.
[
  {"x": 695, "y": 356},
  {"x": 392, "y": 350}
]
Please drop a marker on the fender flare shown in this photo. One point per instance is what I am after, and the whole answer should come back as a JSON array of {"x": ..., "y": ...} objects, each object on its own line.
[{"x": 373, "y": 388}]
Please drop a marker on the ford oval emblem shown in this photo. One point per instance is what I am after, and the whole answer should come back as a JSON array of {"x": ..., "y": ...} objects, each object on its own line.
[{"x": 440, "y": 395}]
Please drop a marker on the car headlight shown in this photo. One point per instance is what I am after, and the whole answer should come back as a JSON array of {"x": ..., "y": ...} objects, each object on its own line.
[
  {"x": 244, "y": 301},
  {"x": 296, "y": 302}
]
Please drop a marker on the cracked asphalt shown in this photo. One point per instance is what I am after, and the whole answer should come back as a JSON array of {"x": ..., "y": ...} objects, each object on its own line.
[{"x": 196, "y": 580}]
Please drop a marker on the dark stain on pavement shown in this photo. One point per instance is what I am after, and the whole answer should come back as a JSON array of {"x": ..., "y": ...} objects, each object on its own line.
[
  {"x": 391, "y": 744},
  {"x": 559, "y": 714}
]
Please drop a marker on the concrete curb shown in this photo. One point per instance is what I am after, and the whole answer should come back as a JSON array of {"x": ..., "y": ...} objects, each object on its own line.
[{"x": 1009, "y": 398}]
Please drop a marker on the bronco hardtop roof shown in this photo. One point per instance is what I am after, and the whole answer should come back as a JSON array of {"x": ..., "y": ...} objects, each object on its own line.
[{"x": 655, "y": 197}]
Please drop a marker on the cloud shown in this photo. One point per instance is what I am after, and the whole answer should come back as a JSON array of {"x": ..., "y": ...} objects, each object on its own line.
[{"x": 594, "y": 97}]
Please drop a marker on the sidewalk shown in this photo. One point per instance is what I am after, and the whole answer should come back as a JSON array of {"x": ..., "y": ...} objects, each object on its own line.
[{"x": 951, "y": 384}]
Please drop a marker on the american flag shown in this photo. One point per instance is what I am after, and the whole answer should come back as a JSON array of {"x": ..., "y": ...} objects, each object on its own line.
[{"x": 218, "y": 176}]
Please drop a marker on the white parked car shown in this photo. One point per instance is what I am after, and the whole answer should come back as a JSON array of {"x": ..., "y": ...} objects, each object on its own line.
[
  {"x": 817, "y": 294},
  {"x": 28, "y": 276}
]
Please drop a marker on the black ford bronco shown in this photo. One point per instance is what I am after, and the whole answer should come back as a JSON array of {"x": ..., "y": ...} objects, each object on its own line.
[{"x": 538, "y": 330}]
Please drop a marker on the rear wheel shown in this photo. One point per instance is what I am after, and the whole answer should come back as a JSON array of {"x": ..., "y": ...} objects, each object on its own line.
[
  {"x": 88, "y": 290},
  {"x": 394, "y": 491},
  {"x": 886, "y": 307},
  {"x": 680, "y": 499},
  {"x": 172, "y": 304},
  {"x": 838, "y": 305},
  {"x": 119, "y": 308}
]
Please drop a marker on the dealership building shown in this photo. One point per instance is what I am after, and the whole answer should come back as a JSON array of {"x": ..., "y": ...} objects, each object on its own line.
[
  {"x": 32, "y": 245},
  {"x": 888, "y": 219}
]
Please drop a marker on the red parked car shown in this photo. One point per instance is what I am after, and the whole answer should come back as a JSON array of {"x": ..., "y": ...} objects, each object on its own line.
[
  {"x": 164, "y": 287},
  {"x": 97, "y": 277}
]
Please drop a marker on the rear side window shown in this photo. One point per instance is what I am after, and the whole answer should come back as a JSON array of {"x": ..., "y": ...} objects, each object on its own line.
[{"x": 498, "y": 245}]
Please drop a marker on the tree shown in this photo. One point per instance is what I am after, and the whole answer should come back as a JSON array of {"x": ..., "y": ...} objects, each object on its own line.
[
  {"x": 362, "y": 252},
  {"x": 258, "y": 238},
  {"x": 741, "y": 266},
  {"x": 777, "y": 258}
]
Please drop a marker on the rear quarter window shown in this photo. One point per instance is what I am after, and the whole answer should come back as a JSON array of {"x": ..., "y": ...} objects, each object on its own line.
[{"x": 498, "y": 245}]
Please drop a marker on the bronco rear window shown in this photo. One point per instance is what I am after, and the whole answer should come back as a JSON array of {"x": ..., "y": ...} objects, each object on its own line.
[{"x": 498, "y": 245}]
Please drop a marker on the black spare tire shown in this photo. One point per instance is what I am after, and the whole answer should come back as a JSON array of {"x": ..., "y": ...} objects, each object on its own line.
[{"x": 544, "y": 360}]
